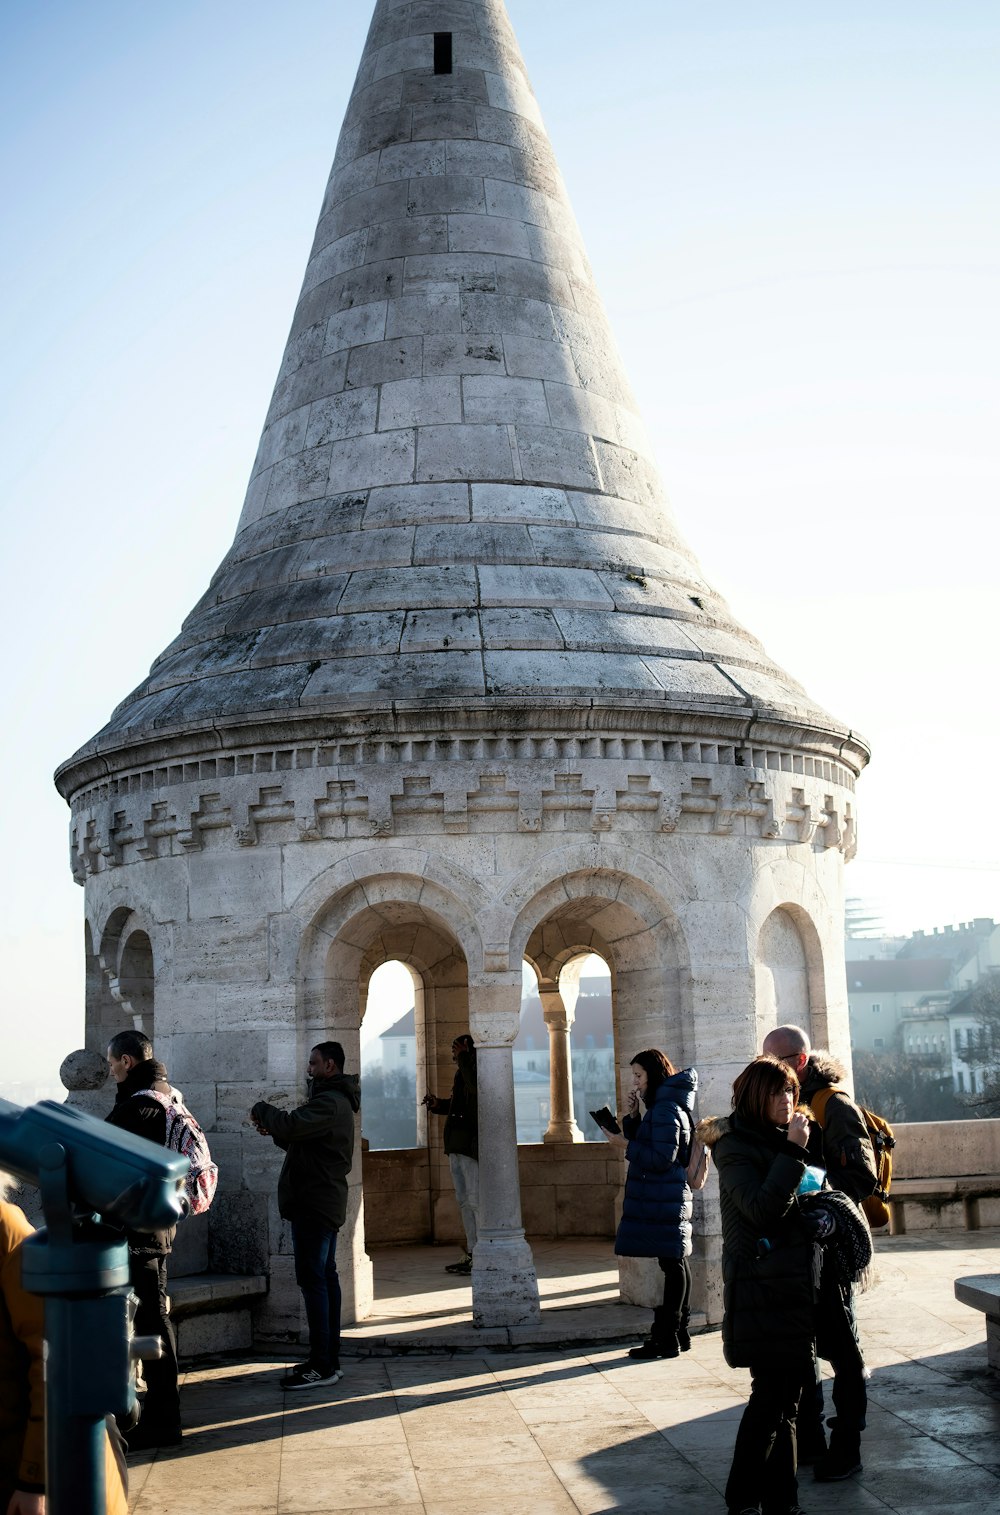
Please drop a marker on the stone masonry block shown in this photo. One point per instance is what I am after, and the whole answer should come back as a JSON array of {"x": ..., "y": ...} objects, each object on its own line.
[
  {"x": 484, "y": 542},
  {"x": 411, "y": 160},
  {"x": 507, "y": 313},
  {"x": 484, "y": 160},
  {"x": 410, "y": 588},
  {"x": 435, "y": 630},
  {"x": 420, "y": 402},
  {"x": 434, "y": 312},
  {"x": 344, "y": 415},
  {"x": 385, "y": 458},
  {"x": 419, "y": 233},
  {"x": 521, "y": 628},
  {"x": 382, "y": 362},
  {"x": 469, "y": 270},
  {"x": 446, "y": 673},
  {"x": 489, "y": 398},
  {"x": 448, "y": 196},
  {"x": 557, "y": 457},
  {"x": 240, "y": 1055},
  {"x": 220, "y": 951},
  {"x": 520, "y": 502},
  {"x": 230, "y": 885},
  {"x": 417, "y": 504},
  {"x": 463, "y": 452},
  {"x": 356, "y": 327},
  {"x": 485, "y": 234},
  {"x": 467, "y": 354},
  {"x": 539, "y": 358},
  {"x": 294, "y": 481},
  {"x": 549, "y": 587}
]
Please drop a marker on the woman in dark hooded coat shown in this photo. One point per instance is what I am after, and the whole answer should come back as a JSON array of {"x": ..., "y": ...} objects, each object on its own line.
[
  {"x": 770, "y": 1271},
  {"x": 656, "y": 1216}
]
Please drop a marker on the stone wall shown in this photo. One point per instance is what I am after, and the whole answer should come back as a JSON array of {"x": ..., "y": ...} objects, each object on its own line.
[{"x": 566, "y": 1190}]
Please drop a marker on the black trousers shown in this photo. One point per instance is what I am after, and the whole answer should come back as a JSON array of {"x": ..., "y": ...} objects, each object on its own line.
[
  {"x": 676, "y": 1288},
  {"x": 764, "y": 1460},
  {"x": 162, "y": 1406},
  {"x": 839, "y": 1343}
]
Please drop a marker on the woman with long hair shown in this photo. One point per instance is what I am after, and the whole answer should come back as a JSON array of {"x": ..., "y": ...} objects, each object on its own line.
[
  {"x": 770, "y": 1271},
  {"x": 656, "y": 1216}
]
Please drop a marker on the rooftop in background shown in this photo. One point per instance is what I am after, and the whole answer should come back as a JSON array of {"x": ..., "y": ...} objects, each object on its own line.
[{"x": 948, "y": 941}]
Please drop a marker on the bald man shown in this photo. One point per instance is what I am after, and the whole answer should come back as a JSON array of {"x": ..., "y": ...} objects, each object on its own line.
[{"x": 844, "y": 1149}]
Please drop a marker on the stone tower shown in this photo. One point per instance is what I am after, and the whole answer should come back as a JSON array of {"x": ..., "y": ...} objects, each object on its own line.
[{"x": 460, "y": 696}]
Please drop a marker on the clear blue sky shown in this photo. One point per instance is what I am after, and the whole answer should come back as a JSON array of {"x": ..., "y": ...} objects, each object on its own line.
[{"x": 792, "y": 214}]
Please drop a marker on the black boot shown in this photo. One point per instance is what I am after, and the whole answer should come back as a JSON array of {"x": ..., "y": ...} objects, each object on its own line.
[
  {"x": 662, "y": 1340},
  {"x": 683, "y": 1334}
]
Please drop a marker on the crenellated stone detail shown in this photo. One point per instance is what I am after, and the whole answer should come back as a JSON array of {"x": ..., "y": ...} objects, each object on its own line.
[{"x": 380, "y": 801}]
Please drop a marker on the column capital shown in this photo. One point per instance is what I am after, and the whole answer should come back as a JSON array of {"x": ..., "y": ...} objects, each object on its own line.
[{"x": 495, "y": 1008}]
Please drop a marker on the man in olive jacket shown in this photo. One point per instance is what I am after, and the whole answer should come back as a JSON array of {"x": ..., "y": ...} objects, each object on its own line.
[{"x": 318, "y": 1141}]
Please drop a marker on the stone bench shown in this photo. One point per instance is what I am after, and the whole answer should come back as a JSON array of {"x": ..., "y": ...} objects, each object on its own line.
[
  {"x": 212, "y": 1311},
  {"x": 937, "y": 1193},
  {"x": 982, "y": 1292}
]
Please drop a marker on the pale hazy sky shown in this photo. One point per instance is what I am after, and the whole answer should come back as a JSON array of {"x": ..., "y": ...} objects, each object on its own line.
[{"x": 792, "y": 214}]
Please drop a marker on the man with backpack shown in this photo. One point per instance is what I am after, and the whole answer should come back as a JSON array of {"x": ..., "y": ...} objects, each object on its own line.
[
  {"x": 140, "y": 1079},
  {"x": 318, "y": 1141},
  {"x": 845, "y": 1151}
]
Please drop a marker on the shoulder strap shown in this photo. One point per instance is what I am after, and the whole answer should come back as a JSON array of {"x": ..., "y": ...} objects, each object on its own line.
[{"x": 820, "y": 1100}]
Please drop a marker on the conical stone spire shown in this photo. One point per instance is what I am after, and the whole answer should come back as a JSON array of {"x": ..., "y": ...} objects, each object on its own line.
[{"x": 454, "y": 504}]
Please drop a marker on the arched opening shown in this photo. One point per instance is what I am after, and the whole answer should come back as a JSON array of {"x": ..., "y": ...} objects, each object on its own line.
[
  {"x": 120, "y": 980},
  {"x": 788, "y": 975},
  {"x": 392, "y": 1031},
  {"x": 631, "y": 932}
]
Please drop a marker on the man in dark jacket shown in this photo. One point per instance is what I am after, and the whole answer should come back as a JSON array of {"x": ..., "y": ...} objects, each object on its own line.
[
  {"x": 318, "y": 1141},
  {"x": 135, "y": 1071},
  {"x": 844, "y": 1149},
  {"x": 461, "y": 1141}
]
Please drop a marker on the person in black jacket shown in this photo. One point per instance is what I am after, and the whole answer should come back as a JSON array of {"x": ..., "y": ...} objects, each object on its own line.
[
  {"x": 318, "y": 1141},
  {"x": 135, "y": 1071},
  {"x": 656, "y": 1214},
  {"x": 770, "y": 1271},
  {"x": 461, "y": 1142}
]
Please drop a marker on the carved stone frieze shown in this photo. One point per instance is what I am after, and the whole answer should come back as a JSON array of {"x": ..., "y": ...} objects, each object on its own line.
[{"x": 594, "y": 795}]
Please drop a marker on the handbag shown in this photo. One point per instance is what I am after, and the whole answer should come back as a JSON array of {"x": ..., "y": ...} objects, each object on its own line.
[{"x": 698, "y": 1163}]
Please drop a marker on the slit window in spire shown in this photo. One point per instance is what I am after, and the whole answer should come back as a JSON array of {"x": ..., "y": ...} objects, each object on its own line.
[{"x": 442, "y": 52}]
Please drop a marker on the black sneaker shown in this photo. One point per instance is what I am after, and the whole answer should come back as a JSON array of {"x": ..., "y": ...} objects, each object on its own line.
[
  {"x": 305, "y": 1376},
  {"x": 464, "y": 1267},
  {"x": 837, "y": 1466}
]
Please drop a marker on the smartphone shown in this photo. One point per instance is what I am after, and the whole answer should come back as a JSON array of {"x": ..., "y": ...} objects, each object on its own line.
[{"x": 605, "y": 1119}]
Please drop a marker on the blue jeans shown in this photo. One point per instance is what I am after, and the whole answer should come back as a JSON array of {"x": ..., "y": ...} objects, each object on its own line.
[{"x": 315, "y": 1247}]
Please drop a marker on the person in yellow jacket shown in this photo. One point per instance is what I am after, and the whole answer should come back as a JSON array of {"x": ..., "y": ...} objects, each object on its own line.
[{"x": 22, "y": 1389}]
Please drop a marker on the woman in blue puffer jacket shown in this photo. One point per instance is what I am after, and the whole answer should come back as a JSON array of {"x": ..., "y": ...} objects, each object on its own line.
[{"x": 656, "y": 1217}]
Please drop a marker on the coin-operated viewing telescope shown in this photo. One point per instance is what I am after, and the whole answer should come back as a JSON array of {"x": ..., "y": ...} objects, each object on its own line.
[{"x": 88, "y": 1174}]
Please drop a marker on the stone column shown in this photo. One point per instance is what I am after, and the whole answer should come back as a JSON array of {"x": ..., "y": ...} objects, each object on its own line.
[
  {"x": 504, "y": 1283},
  {"x": 559, "y": 1017}
]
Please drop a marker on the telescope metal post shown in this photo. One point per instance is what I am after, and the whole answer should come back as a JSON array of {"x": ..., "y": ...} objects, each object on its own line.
[{"x": 81, "y": 1269}]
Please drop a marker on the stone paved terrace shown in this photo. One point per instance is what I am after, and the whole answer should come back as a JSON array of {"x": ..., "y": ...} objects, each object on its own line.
[{"x": 451, "y": 1430}]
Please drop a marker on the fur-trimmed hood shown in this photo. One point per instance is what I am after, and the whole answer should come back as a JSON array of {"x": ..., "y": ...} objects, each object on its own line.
[
  {"x": 821, "y": 1071},
  {"x": 713, "y": 1128}
]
